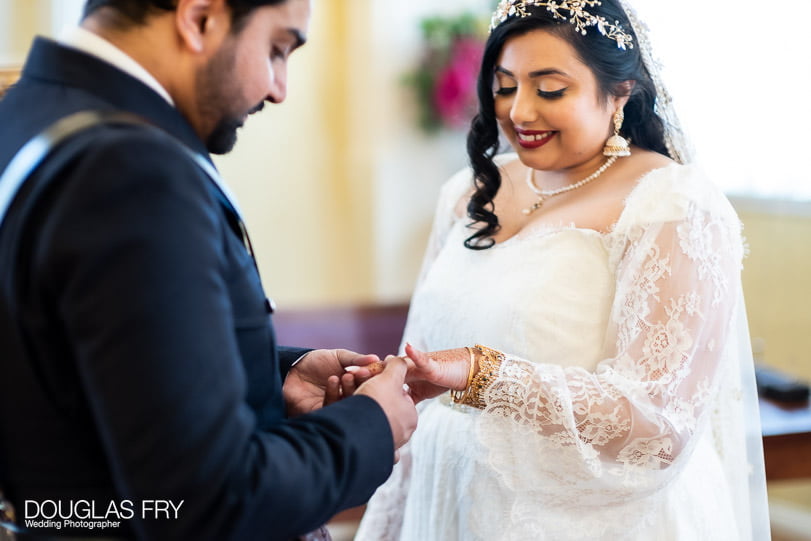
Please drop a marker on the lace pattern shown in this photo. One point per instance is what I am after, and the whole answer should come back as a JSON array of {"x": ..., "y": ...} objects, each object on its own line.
[
  {"x": 619, "y": 446},
  {"x": 626, "y": 425}
]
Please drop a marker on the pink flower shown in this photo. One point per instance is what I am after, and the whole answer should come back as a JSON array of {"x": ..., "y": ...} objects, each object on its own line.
[{"x": 455, "y": 87}]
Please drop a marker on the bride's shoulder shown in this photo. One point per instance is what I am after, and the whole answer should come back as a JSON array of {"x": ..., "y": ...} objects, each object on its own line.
[
  {"x": 456, "y": 191},
  {"x": 666, "y": 177},
  {"x": 666, "y": 190},
  {"x": 502, "y": 161},
  {"x": 506, "y": 159}
]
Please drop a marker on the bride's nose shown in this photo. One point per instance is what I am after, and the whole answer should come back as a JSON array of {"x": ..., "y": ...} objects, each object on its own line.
[{"x": 524, "y": 108}]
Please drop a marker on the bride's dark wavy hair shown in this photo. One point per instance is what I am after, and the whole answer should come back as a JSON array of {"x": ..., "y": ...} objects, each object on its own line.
[{"x": 611, "y": 67}]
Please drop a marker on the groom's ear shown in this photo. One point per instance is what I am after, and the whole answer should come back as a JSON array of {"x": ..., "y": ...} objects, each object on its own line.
[{"x": 201, "y": 23}]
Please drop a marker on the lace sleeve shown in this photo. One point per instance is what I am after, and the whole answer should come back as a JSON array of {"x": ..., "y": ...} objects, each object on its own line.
[{"x": 627, "y": 424}]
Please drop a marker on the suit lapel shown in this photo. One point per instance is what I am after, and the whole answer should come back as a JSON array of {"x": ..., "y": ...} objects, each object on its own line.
[{"x": 51, "y": 62}]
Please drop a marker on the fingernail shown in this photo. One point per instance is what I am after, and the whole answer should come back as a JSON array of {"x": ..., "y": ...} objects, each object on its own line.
[{"x": 352, "y": 369}]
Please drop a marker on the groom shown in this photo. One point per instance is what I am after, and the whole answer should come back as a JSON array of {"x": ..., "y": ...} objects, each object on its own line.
[{"x": 142, "y": 393}]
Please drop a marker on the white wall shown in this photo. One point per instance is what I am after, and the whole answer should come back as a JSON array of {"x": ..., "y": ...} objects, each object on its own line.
[
  {"x": 20, "y": 20},
  {"x": 6, "y": 45},
  {"x": 64, "y": 13},
  {"x": 740, "y": 75},
  {"x": 409, "y": 167}
]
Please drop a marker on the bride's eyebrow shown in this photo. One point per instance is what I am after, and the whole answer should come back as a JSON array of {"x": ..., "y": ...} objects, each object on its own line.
[{"x": 532, "y": 74}]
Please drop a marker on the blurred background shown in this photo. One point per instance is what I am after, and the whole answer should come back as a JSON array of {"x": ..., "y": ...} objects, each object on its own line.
[{"x": 338, "y": 184}]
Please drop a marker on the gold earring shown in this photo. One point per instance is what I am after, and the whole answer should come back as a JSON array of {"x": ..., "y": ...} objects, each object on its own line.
[{"x": 616, "y": 144}]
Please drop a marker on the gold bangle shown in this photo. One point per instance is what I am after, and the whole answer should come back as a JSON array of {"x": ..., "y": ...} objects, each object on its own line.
[
  {"x": 489, "y": 366},
  {"x": 459, "y": 395}
]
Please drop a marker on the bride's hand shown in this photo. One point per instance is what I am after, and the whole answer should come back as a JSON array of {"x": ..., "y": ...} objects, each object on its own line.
[{"x": 431, "y": 374}]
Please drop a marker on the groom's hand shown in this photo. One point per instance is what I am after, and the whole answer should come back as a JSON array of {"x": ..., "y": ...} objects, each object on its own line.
[
  {"x": 320, "y": 378},
  {"x": 429, "y": 374},
  {"x": 388, "y": 390}
]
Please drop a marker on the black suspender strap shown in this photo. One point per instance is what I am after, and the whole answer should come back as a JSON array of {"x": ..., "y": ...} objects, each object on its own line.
[{"x": 35, "y": 152}]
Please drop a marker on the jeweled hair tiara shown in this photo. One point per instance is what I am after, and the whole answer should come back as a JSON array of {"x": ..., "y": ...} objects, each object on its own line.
[{"x": 578, "y": 16}]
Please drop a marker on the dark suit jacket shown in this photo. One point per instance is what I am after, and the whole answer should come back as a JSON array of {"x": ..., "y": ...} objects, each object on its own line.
[{"x": 141, "y": 362}]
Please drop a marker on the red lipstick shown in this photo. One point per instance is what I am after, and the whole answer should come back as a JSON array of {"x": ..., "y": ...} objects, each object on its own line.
[{"x": 534, "y": 138}]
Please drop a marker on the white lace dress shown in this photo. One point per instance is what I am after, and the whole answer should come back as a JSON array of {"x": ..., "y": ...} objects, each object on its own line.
[{"x": 623, "y": 407}]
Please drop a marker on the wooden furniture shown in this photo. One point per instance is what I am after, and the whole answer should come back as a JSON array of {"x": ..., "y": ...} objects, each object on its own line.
[
  {"x": 7, "y": 77},
  {"x": 786, "y": 439},
  {"x": 376, "y": 328}
]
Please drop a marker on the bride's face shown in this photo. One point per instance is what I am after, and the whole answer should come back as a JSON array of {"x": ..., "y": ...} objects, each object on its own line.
[{"x": 549, "y": 105}]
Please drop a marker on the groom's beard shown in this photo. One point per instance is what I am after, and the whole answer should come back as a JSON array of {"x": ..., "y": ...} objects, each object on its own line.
[
  {"x": 224, "y": 135},
  {"x": 221, "y": 101}
]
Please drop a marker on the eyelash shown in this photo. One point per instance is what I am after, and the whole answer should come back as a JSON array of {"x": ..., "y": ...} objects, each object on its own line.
[
  {"x": 278, "y": 53},
  {"x": 555, "y": 94}
]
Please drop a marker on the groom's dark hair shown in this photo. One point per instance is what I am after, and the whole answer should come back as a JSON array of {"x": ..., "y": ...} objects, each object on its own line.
[{"x": 135, "y": 12}]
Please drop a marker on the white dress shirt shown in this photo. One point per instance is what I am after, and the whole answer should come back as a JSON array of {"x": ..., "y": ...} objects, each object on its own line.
[{"x": 93, "y": 44}]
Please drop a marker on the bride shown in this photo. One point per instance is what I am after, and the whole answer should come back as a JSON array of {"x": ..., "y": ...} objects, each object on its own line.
[{"x": 582, "y": 299}]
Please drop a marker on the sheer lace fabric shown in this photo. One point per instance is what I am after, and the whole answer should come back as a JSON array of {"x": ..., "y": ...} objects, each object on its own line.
[{"x": 619, "y": 412}]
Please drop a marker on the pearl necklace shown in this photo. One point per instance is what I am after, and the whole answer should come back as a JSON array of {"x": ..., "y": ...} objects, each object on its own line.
[{"x": 543, "y": 195}]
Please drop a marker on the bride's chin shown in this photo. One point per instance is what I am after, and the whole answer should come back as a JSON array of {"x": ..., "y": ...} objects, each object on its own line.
[{"x": 532, "y": 161}]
